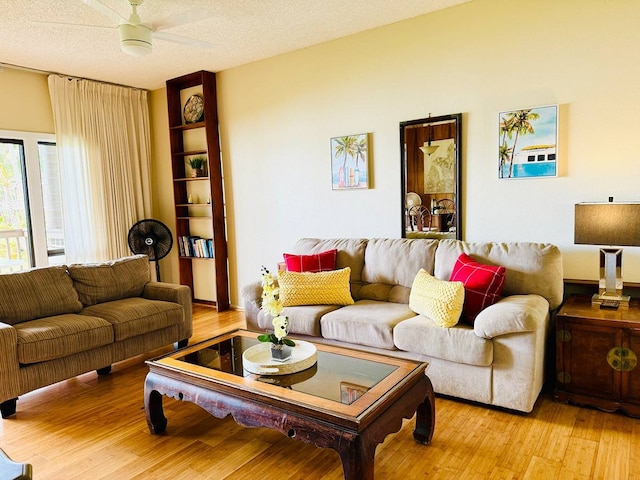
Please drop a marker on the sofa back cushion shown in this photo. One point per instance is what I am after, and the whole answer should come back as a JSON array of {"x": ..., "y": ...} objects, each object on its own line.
[
  {"x": 37, "y": 293},
  {"x": 391, "y": 265},
  {"x": 530, "y": 267},
  {"x": 350, "y": 254},
  {"x": 108, "y": 281}
]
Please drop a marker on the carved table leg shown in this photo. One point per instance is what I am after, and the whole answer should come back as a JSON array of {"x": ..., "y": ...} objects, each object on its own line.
[
  {"x": 426, "y": 418},
  {"x": 357, "y": 458},
  {"x": 153, "y": 409}
]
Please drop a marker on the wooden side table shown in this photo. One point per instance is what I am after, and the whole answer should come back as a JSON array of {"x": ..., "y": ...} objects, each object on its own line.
[{"x": 597, "y": 355}]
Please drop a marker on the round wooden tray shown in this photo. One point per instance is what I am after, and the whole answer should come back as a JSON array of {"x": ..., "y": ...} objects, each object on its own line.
[{"x": 257, "y": 359}]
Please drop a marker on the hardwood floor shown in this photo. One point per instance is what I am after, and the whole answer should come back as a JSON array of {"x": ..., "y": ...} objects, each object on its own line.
[{"x": 94, "y": 427}]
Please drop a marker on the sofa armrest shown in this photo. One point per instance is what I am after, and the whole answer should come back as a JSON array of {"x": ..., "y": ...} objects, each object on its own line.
[
  {"x": 512, "y": 314},
  {"x": 9, "y": 367},
  {"x": 170, "y": 292},
  {"x": 252, "y": 297}
]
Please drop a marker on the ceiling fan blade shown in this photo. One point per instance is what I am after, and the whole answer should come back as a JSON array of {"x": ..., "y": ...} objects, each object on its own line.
[
  {"x": 178, "y": 19},
  {"x": 100, "y": 7},
  {"x": 65, "y": 24},
  {"x": 169, "y": 37}
]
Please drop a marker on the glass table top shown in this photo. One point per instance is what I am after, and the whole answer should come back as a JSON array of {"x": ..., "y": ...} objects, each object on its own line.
[{"x": 338, "y": 377}]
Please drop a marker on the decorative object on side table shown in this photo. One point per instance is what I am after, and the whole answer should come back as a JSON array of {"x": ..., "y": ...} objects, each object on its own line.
[
  {"x": 194, "y": 109},
  {"x": 197, "y": 166},
  {"x": 280, "y": 344},
  {"x": 611, "y": 225}
]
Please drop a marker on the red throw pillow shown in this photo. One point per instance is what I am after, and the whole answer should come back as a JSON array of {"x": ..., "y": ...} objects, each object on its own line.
[
  {"x": 319, "y": 262},
  {"x": 482, "y": 285}
]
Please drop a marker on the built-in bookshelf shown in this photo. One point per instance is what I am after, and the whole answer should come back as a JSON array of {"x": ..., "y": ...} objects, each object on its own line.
[{"x": 198, "y": 193}]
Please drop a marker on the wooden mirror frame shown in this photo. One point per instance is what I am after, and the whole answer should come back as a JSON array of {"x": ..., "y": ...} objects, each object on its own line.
[{"x": 413, "y": 134}]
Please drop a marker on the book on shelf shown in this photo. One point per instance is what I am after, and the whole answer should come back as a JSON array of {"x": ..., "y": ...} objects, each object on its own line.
[{"x": 195, "y": 246}]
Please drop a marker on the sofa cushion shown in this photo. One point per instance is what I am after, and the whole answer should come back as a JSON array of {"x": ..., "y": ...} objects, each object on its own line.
[
  {"x": 303, "y": 320},
  {"x": 531, "y": 267},
  {"x": 395, "y": 262},
  {"x": 439, "y": 300},
  {"x": 367, "y": 322},
  {"x": 482, "y": 285},
  {"x": 350, "y": 254},
  {"x": 458, "y": 344},
  {"x": 322, "y": 288},
  {"x": 136, "y": 316},
  {"x": 37, "y": 293},
  {"x": 59, "y": 336},
  {"x": 108, "y": 281},
  {"x": 317, "y": 262}
]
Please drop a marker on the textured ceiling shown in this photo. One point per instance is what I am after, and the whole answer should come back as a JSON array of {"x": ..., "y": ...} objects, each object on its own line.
[{"x": 242, "y": 31}]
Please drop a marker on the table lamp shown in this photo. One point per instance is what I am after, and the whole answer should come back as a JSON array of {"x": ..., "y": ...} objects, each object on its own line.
[{"x": 614, "y": 225}]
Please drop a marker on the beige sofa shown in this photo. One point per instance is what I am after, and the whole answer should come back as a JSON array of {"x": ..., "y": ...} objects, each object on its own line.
[
  {"x": 498, "y": 361},
  {"x": 58, "y": 322}
]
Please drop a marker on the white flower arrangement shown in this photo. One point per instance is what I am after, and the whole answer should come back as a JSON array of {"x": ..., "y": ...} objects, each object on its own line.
[{"x": 272, "y": 304}]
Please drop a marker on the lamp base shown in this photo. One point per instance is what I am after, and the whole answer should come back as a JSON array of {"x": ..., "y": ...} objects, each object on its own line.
[{"x": 597, "y": 299}]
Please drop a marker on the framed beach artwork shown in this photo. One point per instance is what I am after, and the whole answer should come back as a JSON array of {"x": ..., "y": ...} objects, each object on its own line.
[
  {"x": 528, "y": 143},
  {"x": 350, "y": 162}
]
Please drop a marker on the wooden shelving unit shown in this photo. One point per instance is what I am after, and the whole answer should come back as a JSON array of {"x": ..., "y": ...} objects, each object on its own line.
[{"x": 197, "y": 216}]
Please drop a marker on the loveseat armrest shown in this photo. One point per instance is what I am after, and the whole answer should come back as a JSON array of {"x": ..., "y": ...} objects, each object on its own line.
[
  {"x": 170, "y": 292},
  {"x": 512, "y": 314},
  {"x": 9, "y": 367},
  {"x": 252, "y": 297}
]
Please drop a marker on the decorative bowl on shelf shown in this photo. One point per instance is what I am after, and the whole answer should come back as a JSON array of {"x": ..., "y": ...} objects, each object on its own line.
[{"x": 193, "y": 109}]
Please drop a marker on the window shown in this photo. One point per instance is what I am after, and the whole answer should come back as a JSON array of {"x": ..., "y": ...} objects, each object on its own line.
[
  {"x": 531, "y": 158},
  {"x": 541, "y": 157},
  {"x": 30, "y": 202},
  {"x": 51, "y": 199}
]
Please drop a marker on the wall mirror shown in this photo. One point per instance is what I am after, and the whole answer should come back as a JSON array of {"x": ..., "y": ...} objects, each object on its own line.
[{"x": 431, "y": 165}]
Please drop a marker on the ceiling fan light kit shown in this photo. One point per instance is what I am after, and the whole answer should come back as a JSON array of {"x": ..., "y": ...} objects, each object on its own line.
[{"x": 135, "y": 39}]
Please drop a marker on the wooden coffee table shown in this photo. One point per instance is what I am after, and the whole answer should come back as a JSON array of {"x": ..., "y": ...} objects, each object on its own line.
[{"x": 349, "y": 401}]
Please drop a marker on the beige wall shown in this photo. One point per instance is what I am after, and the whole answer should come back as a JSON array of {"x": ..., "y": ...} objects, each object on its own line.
[{"x": 24, "y": 102}]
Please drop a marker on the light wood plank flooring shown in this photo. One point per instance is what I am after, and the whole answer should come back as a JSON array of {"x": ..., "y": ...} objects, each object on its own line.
[{"x": 94, "y": 427}]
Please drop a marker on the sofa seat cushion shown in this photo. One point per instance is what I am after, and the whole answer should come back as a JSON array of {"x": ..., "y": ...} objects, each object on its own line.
[
  {"x": 303, "y": 320},
  {"x": 108, "y": 281},
  {"x": 366, "y": 322},
  {"x": 37, "y": 293},
  {"x": 456, "y": 344},
  {"x": 136, "y": 316},
  {"x": 61, "y": 335}
]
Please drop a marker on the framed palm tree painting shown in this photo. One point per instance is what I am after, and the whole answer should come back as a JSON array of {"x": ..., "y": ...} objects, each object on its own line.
[
  {"x": 528, "y": 142},
  {"x": 350, "y": 162}
]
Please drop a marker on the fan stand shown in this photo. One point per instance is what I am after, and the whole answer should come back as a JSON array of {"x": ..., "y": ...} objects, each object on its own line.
[{"x": 155, "y": 256}]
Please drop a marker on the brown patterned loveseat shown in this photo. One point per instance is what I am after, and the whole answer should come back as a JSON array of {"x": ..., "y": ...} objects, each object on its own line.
[{"x": 58, "y": 322}]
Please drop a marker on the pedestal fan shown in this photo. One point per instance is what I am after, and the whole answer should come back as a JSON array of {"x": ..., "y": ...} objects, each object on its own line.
[{"x": 152, "y": 238}]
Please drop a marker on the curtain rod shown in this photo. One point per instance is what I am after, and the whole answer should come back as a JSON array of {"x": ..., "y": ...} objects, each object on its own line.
[{"x": 45, "y": 72}]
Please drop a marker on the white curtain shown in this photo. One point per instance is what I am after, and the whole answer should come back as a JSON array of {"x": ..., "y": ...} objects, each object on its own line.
[{"x": 103, "y": 141}]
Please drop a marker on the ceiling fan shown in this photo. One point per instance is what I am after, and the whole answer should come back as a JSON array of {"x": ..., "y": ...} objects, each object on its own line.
[{"x": 136, "y": 36}]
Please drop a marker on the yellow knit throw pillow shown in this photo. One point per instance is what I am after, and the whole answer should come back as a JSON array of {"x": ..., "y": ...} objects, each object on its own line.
[
  {"x": 438, "y": 300},
  {"x": 322, "y": 288}
]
